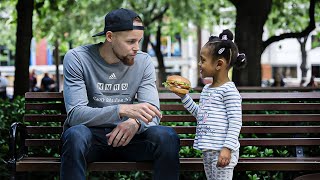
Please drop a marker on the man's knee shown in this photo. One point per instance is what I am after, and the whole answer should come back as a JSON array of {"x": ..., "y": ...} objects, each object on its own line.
[{"x": 166, "y": 136}]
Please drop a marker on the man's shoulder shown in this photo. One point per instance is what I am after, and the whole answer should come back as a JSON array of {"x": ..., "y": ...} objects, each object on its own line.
[
  {"x": 83, "y": 48},
  {"x": 80, "y": 52},
  {"x": 143, "y": 55},
  {"x": 143, "y": 58}
]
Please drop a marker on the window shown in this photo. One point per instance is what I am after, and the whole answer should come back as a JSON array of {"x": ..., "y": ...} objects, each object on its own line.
[
  {"x": 315, "y": 70},
  {"x": 285, "y": 71}
]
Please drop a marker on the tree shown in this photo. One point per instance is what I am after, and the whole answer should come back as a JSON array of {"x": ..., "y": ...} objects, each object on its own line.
[
  {"x": 169, "y": 17},
  {"x": 250, "y": 20},
  {"x": 152, "y": 12},
  {"x": 55, "y": 26},
  {"x": 304, "y": 69},
  {"x": 24, "y": 35},
  {"x": 299, "y": 17},
  {"x": 8, "y": 26}
]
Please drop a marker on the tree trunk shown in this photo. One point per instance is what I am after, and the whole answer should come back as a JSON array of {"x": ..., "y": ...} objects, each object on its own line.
[
  {"x": 157, "y": 50},
  {"x": 145, "y": 42},
  {"x": 199, "y": 37},
  {"x": 24, "y": 35},
  {"x": 250, "y": 19},
  {"x": 57, "y": 62},
  {"x": 303, "y": 66}
]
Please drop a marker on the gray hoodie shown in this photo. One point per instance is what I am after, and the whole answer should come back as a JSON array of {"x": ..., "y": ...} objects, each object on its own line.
[{"x": 93, "y": 89}]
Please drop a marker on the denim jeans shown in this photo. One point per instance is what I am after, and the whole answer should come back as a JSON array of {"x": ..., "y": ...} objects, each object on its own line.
[{"x": 82, "y": 145}]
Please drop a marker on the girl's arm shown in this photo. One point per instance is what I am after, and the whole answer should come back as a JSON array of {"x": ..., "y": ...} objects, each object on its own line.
[{"x": 190, "y": 105}]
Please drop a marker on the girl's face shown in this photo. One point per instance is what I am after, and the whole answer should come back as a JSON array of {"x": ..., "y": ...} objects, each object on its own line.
[{"x": 206, "y": 64}]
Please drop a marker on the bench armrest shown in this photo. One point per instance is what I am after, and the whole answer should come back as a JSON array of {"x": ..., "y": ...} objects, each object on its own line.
[{"x": 17, "y": 148}]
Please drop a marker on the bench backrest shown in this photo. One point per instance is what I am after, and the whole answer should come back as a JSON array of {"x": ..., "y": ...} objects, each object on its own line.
[{"x": 292, "y": 118}]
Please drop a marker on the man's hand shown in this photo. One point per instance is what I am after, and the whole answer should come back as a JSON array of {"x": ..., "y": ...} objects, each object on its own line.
[
  {"x": 144, "y": 111},
  {"x": 123, "y": 133},
  {"x": 224, "y": 157}
]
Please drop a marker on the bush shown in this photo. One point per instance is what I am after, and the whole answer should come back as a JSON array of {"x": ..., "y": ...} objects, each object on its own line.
[{"x": 9, "y": 112}]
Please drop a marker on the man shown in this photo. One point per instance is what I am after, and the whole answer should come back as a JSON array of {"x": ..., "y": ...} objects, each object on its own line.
[
  {"x": 47, "y": 83},
  {"x": 3, "y": 87},
  {"x": 101, "y": 82}
]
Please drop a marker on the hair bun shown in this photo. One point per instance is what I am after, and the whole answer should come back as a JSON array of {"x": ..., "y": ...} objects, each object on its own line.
[
  {"x": 213, "y": 38},
  {"x": 226, "y": 33},
  {"x": 241, "y": 61}
]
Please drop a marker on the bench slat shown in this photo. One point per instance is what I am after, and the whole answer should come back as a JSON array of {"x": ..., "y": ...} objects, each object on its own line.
[
  {"x": 44, "y": 96},
  {"x": 260, "y": 89},
  {"x": 282, "y": 107},
  {"x": 187, "y": 164},
  {"x": 56, "y": 96},
  {"x": 256, "y": 96},
  {"x": 192, "y": 129},
  {"x": 45, "y": 117},
  {"x": 259, "y": 129},
  {"x": 268, "y": 142},
  {"x": 44, "y": 129},
  {"x": 179, "y": 107},
  {"x": 281, "y": 117},
  {"x": 252, "y": 118},
  {"x": 189, "y": 142},
  {"x": 257, "y": 106},
  {"x": 190, "y": 118},
  {"x": 43, "y": 106}
]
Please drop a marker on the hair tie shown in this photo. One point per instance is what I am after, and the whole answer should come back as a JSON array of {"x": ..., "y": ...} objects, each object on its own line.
[
  {"x": 243, "y": 57},
  {"x": 221, "y": 50},
  {"x": 224, "y": 37}
]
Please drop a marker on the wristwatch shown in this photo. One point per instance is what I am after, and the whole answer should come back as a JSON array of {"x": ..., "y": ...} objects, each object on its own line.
[{"x": 138, "y": 122}]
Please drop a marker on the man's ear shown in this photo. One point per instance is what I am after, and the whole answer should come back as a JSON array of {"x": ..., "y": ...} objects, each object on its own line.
[
  {"x": 109, "y": 36},
  {"x": 219, "y": 64}
]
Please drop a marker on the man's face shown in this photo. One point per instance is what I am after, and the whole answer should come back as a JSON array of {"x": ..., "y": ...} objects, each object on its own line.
[{"x": 125, "y": 44}]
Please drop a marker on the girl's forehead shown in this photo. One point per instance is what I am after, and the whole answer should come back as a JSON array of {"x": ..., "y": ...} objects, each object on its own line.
[{"x": 204, "y": 50}]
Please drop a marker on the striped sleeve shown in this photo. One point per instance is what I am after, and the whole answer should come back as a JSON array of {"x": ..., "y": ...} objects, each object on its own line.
[
  {"x": 190, "y": 105},
  {"x": 232, "y": 100}
]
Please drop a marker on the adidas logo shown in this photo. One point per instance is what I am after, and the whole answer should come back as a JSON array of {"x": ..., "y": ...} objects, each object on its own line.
[{"x": 112, "y": 76}]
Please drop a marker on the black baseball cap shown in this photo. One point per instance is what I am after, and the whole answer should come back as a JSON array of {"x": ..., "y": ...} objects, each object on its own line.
[{"x": 119, "y": 20}]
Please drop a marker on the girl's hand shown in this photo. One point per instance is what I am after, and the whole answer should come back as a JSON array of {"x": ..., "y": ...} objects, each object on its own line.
[
  {"x": 179, "y": 94},
  {"x": 224, "y": 157}
]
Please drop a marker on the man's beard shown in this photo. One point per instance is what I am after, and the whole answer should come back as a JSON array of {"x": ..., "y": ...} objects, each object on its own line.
[{"x": 126, "y": 60}]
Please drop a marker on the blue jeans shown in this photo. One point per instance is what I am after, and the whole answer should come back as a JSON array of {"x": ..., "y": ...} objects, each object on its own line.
[{"x": 82, "y": 145}]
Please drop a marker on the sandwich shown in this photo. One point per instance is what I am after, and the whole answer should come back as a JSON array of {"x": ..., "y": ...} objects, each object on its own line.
[{"x": 177, "y": 84}]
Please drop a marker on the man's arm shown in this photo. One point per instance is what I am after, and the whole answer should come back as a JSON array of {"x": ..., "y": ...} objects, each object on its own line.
[{"x": 148, "y": 93}]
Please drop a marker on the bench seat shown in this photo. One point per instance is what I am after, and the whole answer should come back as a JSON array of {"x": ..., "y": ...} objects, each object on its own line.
[{"x": 186, "y": 164}]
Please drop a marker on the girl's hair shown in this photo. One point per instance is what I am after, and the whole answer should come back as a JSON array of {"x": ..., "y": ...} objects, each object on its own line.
[{"x": 224, "y": 47}]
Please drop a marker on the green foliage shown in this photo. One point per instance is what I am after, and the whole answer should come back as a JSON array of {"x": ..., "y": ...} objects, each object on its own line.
[
  {"x": 316, "y": 42},
  {"x": 69, "y": 20},
  {"x": 9, "y": 112},
  {"x": 8, "y": 24},
  {"x": 289, "y": 16}
]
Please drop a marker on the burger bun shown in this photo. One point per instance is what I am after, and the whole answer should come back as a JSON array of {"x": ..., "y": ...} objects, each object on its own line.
[{"x": 178, "y": 90}]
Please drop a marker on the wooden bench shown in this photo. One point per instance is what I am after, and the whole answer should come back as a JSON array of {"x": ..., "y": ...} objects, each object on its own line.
[{"x": 284, "y": 121}]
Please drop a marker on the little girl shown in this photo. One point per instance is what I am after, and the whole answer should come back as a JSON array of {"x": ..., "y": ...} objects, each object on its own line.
[{"x": 219, "y": 113}]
